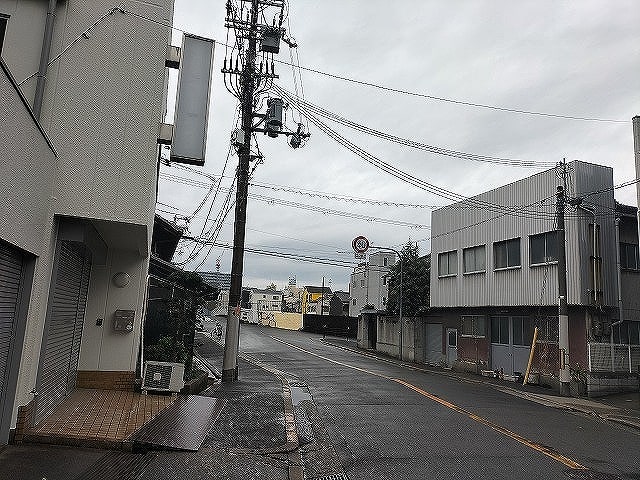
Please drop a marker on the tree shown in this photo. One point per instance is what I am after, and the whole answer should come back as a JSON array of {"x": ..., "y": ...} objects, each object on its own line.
[
  {"x": 173, "y": 320},
  {"x": 272, "y": 287},
  {"x": 416, "y": 272}
]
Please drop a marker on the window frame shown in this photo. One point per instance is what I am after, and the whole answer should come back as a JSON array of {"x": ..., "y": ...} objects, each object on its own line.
[
  {"x": 448, "y": 254},
  {"x": 544, "y": 235},
  {"x": 474, "y": 249},
  {"x": 625, "y": 247},
  {"x": 475, "y": 331},
  {"x": 506, "y": 242}
]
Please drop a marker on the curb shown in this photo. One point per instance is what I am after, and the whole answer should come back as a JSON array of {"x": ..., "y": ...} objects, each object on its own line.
[{"x": 503, "y": 388}]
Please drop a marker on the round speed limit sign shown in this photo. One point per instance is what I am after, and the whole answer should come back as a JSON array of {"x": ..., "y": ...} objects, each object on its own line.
[{"x": 360, "y": 244}]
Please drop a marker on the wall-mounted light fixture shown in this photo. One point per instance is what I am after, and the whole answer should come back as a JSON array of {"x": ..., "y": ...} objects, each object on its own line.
[{"x": 121, "y": 279}]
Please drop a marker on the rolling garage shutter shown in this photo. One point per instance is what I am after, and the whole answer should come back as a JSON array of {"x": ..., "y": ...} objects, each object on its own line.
[
  {"x": 63, "y": 330},
  {"x": 10, "y": 277}
]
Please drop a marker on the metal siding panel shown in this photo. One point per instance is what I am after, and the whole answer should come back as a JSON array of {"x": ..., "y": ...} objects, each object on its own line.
[{"x": 527, "y": 285}]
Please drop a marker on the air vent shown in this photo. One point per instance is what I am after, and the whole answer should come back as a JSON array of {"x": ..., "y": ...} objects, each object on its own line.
[{"x": 163, "y": 376}]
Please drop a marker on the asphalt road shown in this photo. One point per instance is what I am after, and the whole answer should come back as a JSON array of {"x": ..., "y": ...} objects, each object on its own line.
[{"x": 385, "y": 421}]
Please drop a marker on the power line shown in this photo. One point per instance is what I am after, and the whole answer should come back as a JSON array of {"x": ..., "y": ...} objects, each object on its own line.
[
  {"x": 299, "y": 191},
  {"x": 342, "y": 77},
  {"x": 457, "y": 102},
  {"x": 412, "y": 143}
]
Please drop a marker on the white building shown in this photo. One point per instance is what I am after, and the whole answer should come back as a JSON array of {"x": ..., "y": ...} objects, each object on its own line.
[
  {"x": 79, "y": 196},
  {"x": 369, "y": 283},
  {"x": 261, "y": 304}
]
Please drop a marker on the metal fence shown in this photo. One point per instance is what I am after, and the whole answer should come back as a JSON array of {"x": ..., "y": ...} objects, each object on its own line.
[{"x": 611, "y": 358}]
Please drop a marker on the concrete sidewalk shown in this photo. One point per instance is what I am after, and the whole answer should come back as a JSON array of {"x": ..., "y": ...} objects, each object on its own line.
[{"x": 622, "y": 408}]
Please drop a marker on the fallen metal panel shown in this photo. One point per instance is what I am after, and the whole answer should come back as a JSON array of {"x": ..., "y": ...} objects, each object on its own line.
[{"x": 181, "y": 426}]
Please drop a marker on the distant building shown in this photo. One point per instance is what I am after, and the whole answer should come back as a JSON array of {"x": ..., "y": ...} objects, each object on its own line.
[
  {"x": 292, "y": 299},
  {"x": 310, "y": 295},
  {"x": 369, "y": 284},
  {"x": 339, "y": 303}
]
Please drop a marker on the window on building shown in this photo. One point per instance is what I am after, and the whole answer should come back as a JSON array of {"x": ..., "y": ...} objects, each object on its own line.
[
  {"x": 4, "y": 19},
  {"x": 474, "y": 326},
  {"x": 275, "y": 297},
  {"x": 522, "y": 331},
  {"x": 384, "y": 280},
  {"x": 448, "y": 263},
  {"x": 385, "y": 261},
  {"x": 544, "y": 248},
  {"x": 627, "y": 333},
  {"x": 362, "y": 283},
  {"x": 500, "y": 330},
  {"x": 474, "y": 259},
  {"x": 506, "y": 254},
  {"x": 353, "y": 302},
  {"x": 629, "y": 256},
  {"x": 384, "y": 301}
]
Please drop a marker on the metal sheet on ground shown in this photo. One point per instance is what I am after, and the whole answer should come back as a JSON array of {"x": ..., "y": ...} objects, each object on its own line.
[{"x": 181, "y": 426}]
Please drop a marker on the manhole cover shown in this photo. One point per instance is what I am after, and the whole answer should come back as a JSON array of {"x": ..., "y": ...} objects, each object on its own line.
[{"x": 591, "y": 475}]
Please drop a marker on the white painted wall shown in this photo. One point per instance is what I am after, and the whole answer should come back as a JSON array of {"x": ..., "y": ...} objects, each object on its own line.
[{"x": 104, "y": 99}]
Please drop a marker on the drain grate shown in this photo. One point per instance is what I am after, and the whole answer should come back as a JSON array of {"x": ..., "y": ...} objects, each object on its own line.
[{"x": 337, "y": 476}]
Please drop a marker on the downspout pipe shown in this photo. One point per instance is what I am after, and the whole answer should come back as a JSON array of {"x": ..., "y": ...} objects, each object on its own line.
[
  {"x": 44, "y": 58},
  {"x": 592, "y": 211},
  {"x": 619, "y": 272}
]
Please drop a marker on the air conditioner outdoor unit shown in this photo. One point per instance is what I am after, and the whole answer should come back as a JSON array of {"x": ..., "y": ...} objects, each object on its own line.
[{"x": 163, "y": 376}]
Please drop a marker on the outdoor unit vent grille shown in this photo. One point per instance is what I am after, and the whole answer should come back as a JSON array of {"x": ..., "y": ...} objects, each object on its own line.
[{"x": 163, "y": 376}]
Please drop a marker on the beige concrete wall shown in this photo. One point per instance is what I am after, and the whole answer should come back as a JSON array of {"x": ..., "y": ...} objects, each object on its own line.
[{"x": 285, "y": 320}]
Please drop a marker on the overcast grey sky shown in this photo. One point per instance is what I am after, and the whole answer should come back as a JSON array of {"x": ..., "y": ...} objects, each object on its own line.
[{"x": 579, "y": 58}]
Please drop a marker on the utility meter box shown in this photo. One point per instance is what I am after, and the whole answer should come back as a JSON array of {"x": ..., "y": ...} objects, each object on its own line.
[{"x": 123, "y": 320}]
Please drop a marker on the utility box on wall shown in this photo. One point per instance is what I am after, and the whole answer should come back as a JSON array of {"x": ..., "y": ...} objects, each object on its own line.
[{"x": 123, "y": 320}]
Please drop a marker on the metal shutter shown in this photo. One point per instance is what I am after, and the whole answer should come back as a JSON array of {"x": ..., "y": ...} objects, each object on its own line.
[
  {"x": 434, "y": 344},
  {"x": 11, "y": 264},
  {"x": 63, "y": 330}
]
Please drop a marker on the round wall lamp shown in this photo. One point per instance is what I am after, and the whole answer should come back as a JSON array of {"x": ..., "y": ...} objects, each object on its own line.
[{"x": 121, "y": 279}]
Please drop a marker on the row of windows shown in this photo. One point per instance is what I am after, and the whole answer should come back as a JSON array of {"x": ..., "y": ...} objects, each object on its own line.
[
  {"x": 514, "y": 330},
  {"x": 543, "y": 249}
]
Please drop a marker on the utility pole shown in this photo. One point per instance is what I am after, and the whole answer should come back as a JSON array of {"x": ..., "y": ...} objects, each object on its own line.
[
  {"x": 248, "y": 83},
  {"x": 636, "y": 150},
  {"x": 232, "y": 337},
  {"x": 563, "y": 311}
]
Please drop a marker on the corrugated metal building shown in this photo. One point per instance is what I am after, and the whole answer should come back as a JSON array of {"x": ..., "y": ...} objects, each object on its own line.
[{"x": 494, "y": 276}]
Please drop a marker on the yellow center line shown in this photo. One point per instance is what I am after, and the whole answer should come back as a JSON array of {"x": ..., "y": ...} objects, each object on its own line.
[{"x": 548, "y": 451}]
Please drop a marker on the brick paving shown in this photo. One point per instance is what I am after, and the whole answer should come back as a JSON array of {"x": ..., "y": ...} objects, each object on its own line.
[{"x": 107, "y": 416}]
